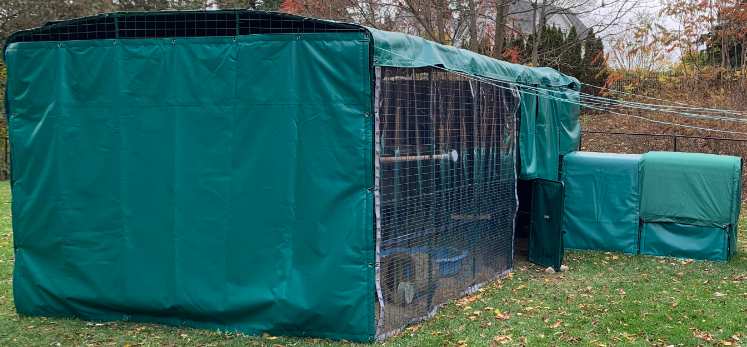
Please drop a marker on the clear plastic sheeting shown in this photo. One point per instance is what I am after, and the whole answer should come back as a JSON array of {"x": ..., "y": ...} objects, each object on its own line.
[{"x": 445, "y": 147}]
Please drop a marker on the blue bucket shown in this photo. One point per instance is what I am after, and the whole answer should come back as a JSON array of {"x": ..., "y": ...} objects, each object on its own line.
[{"x": 449, "y": 260}]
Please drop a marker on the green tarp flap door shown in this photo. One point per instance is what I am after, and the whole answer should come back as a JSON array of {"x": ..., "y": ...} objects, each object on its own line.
[{"x": 545, "y": 232}]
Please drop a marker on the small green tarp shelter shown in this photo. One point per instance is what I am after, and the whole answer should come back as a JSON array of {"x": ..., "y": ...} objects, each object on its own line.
[
  {"x": 602, "y": 196},
  {"x": 215, "y": 169},
  {"x": 690, "y": 204}
]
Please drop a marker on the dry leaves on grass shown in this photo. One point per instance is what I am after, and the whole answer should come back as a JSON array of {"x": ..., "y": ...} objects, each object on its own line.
[
  {"x": 501, "y": 340},
  {"x": 703, "y": 335},
  {"x": 473, "y": 315},
  {"x": 501, "y": 315},
  {"x": 467, "y": 300},
  {"x": 734, "y": 340}
]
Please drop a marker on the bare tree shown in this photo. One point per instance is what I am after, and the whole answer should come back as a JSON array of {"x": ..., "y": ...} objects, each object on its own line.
[
  {"x": 499, "y": 34},
  {"x": 639, "y": 47}
]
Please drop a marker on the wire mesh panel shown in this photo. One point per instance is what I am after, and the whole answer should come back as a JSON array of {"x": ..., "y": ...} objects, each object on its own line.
[
  {"x": 178, "y": 24},
  {"x": 446, "y": 189}
]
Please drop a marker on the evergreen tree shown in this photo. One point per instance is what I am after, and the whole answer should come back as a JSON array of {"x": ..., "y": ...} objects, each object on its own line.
[
  {"x": 551, "y": 42},
  {"x": 594, "y": 64},
  {"x": 570, "y": 54}
]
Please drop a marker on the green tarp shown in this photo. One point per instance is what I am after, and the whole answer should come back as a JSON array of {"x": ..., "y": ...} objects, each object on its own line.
[
  {"x": 217, "y": 182},
  {"x": 690, "y": 204},
  {"x": 545, "y": 229},
  {"x": 601, "y": 201},
  {"x": 549, "y": 128},
  {"x": 403, "y": 50},
  {"x": 690, "y": 188},
  {"x": 685, "y": 241}
]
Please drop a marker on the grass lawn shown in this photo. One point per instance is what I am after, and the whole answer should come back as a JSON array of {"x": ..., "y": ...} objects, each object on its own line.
[{"x": 605, "y": 299}]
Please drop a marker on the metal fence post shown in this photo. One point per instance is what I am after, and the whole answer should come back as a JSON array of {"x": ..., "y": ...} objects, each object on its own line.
[{"x": 675, "y": 142}]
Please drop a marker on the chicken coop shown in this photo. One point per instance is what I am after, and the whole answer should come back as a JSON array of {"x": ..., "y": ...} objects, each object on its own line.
[{"x": 263, "y": 172}]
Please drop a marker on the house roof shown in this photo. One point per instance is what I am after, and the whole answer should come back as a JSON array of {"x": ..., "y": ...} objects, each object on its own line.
[{"x": 521, "y": 12}]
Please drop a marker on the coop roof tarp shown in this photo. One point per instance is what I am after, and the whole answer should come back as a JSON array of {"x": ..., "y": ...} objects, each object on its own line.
[
  {"x": 601, "y": 201},
  {"x": 690, "y": 188},
  {"x": 159, "y": 180},
  {"x": 402, "y": 50}
]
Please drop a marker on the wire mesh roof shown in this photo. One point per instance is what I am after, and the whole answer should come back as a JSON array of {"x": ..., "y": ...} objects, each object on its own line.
[{"x": 178, "y": 24}]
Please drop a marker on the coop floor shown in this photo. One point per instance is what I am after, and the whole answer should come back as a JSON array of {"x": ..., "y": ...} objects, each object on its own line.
[{"x": 605, "y": 299}]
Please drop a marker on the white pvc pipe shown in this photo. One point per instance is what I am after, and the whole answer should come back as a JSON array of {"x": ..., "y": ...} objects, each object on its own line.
[{"x": 452, "y": 155}]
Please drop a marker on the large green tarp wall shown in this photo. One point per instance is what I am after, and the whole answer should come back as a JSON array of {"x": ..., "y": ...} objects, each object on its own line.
[
  {"x": 602, "y": 195},
  {"x": 217, "y": 182},
  {"x": 690, "y": 204}
]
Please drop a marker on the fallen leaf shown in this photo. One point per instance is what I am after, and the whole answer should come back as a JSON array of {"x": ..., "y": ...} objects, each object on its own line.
[
  {"x": 556, "y": 324},
  {"x": 703, "y": 335},
  {"x": 266, "y": 336},
  {"x": 500, "y": 315},
  {"x": 502, "y": 339},
  {"x": 468, "y": 300}
]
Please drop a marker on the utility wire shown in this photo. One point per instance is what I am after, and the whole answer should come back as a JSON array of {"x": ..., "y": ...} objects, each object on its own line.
[
  {"x": 677, "y": 104},
  {"x": 547, "y": 93}
]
